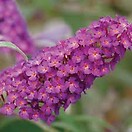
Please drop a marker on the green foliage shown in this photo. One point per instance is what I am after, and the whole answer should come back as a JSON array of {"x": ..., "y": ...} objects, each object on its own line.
[
  {"x": 64, "y": 123},
  {"x": 80, "y": 123}
]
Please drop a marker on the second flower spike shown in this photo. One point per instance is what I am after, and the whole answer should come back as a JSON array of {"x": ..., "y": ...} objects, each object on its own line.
[{"x": 13, "y": 28}]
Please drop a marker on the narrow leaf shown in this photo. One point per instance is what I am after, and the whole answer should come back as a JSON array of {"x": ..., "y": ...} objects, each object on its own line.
[{"x": 14, "y": 47}]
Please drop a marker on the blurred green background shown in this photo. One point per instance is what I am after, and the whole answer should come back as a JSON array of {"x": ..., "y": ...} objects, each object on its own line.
[{"x": 107, "y": 106}]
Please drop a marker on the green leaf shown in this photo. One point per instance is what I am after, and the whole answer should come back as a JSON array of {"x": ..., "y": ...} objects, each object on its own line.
[
  {"x": 66, "y": 122},
  {"x": 66, "y": 126},
  {"x": 14, "y": 47},
  {"x": 17, "y": 125}
]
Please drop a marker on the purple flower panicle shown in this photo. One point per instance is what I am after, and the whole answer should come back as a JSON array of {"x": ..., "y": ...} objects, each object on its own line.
[
  {"x": 57, "y": 76},
  {"x": 13, "y": 28}
]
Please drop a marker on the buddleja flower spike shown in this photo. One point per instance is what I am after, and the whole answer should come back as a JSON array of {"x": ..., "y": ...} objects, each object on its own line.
[{"x": 57, "y": 76}]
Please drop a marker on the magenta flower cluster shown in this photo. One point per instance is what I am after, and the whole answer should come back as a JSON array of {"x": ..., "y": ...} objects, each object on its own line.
[
  {"x": 57, "y": 76},
  {"x": 13, "y": 27}
]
